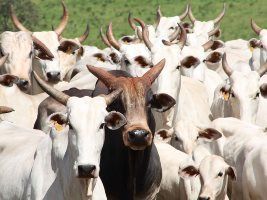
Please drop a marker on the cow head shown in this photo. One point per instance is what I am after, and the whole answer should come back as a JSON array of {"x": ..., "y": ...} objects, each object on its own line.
[
  {"x": 136, "y": 101},
  {"x": 17, "y": 53},
  {"x": 244, "y": 92},
  {"x": 50, "y": 66},
  {"x": 262, "y": 33},
  {"x": 167, "y": 26},
  {"x": 214, "y": 173},
  {"x": 86, "y": 118}
]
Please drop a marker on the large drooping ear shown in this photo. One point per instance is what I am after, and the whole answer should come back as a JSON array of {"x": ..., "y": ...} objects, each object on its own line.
[
  {"x": 164, "y": 135},
  {"x": 8, "y": 80},
  {"x": 142, "y": 61},
  {"x": 217, "y": 44},
  {"x": 58, "y": 121},
  {"x": 68, "y": 47},
  {"x": 190, "y": 61},
  {"x": 263, "y": 90},
  {"x": 209, "y": 134},
  {"x": 254, "y": 43},
  {"x": 214, "y": 57},
  {"x": 188, "y": 172},
  {"x": 115, "y": 120},
  {"x": 162, "y": 102},
  {"x": 100, "y": 57},
  {"x": 231, "y": 172}
]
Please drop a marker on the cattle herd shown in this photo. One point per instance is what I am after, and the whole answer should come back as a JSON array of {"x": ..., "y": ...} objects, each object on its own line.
[{"x": 170, "y": 112}]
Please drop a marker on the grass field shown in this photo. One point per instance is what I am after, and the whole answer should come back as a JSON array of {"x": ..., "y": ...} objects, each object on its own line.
[{"x": 235, "y": 25}]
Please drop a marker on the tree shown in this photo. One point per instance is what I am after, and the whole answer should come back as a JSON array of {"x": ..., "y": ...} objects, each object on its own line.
[{"x": 26, "y": 10}]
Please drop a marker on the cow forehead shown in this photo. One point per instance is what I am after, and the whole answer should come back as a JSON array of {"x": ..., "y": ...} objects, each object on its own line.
[
  {"x": 202, "y": 26},
  {"x": 168, "y": 21},
  {"x": 16, "y": 41},
  {"x": 49, "y": 38},
  {"x": 249, "y": 81},
  {"x": 196, "y": 51},
  {"x": 133, "y": 50},
  {"x": 186, "y": 129},
  {"x": 210, "y": 166}
]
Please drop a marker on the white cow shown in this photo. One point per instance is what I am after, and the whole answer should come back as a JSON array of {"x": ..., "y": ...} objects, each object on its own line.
[{"x": 214, "y": 173}]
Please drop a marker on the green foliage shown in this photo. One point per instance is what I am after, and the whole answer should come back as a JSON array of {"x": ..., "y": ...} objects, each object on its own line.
[
  {"x": 26, "y": 10},
  {"x": 46, "y": 13}
]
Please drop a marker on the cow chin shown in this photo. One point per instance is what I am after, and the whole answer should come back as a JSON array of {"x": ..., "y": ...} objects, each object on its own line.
[{"x": 137, "y": 139}]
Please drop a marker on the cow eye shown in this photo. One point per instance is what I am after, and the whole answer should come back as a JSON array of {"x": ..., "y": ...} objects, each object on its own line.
[
  {"x": 171, "y": 28},
  {"x": 127, "y": 62},
  {"x": 30, "y": 54},
  {"x": 178, "y": 67},
  {"x": 102, "y": 126},
  {"x": 176, "y": 138},
  {"x": 220, "y": 174},
  {"x": 257, "y": 95},
  {"x": 232, "y": 95}
]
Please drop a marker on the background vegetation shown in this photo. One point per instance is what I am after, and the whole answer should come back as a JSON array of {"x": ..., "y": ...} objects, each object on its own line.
[{"x": 42, "y": 14}]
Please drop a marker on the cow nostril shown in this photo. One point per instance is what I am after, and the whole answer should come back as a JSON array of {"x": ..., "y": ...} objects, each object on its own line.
[
  {"x": 25, "y": 82},
  {"x": 203, "y": 198},
  {"x": 134, "y": 134},
  {"x": 54, "y": 76},
  {"x": 85, "y": 171}
]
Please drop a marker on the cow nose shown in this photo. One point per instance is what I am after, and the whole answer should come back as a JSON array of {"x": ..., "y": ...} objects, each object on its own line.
[
  {"x": 53, "y": 76},
  {"x": 203, "y": 198},
  {"x": 86, "y": 171},
  {"x": 137, "y": 136},
  {"x": 23, "y": 84}
]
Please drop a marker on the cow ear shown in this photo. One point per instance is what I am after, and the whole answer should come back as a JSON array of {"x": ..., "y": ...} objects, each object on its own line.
[
  {"x": 209, "y": 134},
  {"x": 68, "y": 47},
  {"x": 217, "y": 44},
  {"x": 231, "y": 172},
  {"x": 263, "y": 90},
  {"x": 164, "y": 135},
  {"x": 8, "y": 80},
  {"x": 214, "y": 57},
  {"x": 58, "y": 121},
  {"x": 80, "y": 52},
  {"x": 188, "y": 172},
  {"x": 162, "y": 102},
  {"x": 115, "y": 120}
]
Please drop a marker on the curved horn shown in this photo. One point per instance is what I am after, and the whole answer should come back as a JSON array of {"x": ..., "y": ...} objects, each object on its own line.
[
  {"x": 85, "y": 34},
  {"x": 225, "y": 66},
  {"x": 4, "y": 109},
  {"x": 208, "y": 45},
  {"x": 150, "y": 76},
  {"x": 64, "y": 20},
  {"x": 214, "y": 31},
  {"x": 112, "y": 96},
  {"x": 144, "y": 33},
  {"x": 262, "y": 70},
  {"x": 221, "y": 15},
  {"x": 158, "y": 16},
  {"x": 131, "y": 22},
  {"x": 184, "y": 14},
  {"x": 255, "y": 27},
  {"x": 103, "y": 75},
  {"x": 183, "y": 37},
  {"x": 56, "y": 94},
  {"x": 111, "y": 38},
  {"x": 3, "y": 60},
  {"x": 104, "y": 38},
  {"x": 16, "y": 21},
  {"x": 174, "y": 35},
  {"x": 191, "y": 16},
  {"x": 41, "y": 46}
]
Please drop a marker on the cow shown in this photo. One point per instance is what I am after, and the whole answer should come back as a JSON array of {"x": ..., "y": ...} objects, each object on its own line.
[
  {"x": 17, "y": 49},
  {"x": 214, "y": 173},
  {"x": 134, "y": 172},
  {"x": 71, "y": 146},
  {"x": 243, "y": 93}
]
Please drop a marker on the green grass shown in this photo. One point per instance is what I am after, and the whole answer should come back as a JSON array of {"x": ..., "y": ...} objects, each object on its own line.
[{"x": 236, "y": 23}]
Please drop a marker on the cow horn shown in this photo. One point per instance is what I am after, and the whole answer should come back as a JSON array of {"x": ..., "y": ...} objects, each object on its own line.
[
  {"x": 225, "y": 66},
  {"x": 150, "y": 76},
  {"x": 145, "y": 33},
  {"x": 85, "y": 34},
  {"x": 3, "y": 60},
  {"x": 158, "y": 16},
  {"x": 214, "y": 31},
  {"x": 111, "y": 38},
  {"x": 56, "y": 94},
  {"x": 41, "y": 46},
  {"x": 208, "y": 45},
  {"x": 262, "y": 70},
  {"x": 190, "y": 15},
  {"x": 221, "y": 15},
  {"x": 104, "y": 76},
  {"x": 64, "y": 20},
  {"x": 16, "y": 21},
  {"x": 104, "y": 38},
  {"x": 112, "y": 96},
  {"x": 255, "y": 27},
  {"x": 184, "y": 14},
  {"x": 134, "y": 27},
  {"x": 4, "y": 109},
  {"x": 174, "y": 35},
  {"x": 183, "y": 37}
]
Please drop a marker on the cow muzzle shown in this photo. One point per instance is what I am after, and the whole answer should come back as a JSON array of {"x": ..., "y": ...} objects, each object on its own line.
[
  {"x": 87, "y": 171},
  {"x": 139, "y": 139},
  {"x": 53, "y": 76},
  {"x": 203, "y": 198},
  {"x": 23, "y": 84}
]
